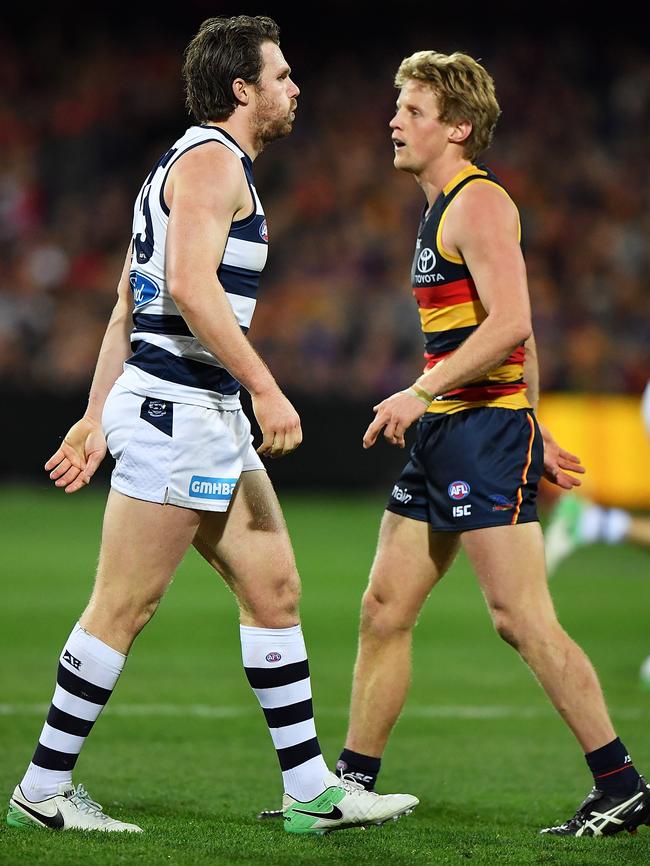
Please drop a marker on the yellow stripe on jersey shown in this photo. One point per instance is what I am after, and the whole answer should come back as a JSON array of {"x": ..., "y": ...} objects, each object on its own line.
[
  {"x": 508, "y": 401},
  {"x": 447, "y": 318},
  {"x": 466, "y": 172},
  {"x": 505, "y": 373},
  {"x": 446, "y": 254}
]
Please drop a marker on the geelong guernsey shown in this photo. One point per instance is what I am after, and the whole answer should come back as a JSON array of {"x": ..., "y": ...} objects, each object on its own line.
[
  {"x": 450, "y": 308},
  {"x": 168, "y": 361}
]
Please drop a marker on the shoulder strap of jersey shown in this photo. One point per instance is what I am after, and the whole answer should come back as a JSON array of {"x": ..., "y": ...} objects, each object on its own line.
[
  {"x": 472, "y": 174},
  {"x": 195, "y": 137}
]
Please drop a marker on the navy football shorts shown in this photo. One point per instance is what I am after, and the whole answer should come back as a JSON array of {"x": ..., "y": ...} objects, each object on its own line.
[{"x": 472, "y": 469}]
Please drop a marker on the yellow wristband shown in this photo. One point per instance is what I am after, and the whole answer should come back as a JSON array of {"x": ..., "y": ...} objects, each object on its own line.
[
  {"x": 417, "y": 384},
  {"x": 421, "y": 394}
]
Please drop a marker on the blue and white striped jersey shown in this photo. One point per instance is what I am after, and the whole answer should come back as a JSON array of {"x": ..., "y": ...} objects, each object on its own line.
[{"x": 168, "y": 361}]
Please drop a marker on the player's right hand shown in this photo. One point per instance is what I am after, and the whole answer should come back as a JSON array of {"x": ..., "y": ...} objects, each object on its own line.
[
  {"x": 558, "y": 462},
  {"x": 74, "y": 463},
  {"x": 394, "y": 416},
  {"x": 279, "y": 423}
]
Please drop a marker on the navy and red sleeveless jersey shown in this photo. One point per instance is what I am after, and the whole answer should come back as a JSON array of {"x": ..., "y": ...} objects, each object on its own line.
[{"x": 450, "y": 308}]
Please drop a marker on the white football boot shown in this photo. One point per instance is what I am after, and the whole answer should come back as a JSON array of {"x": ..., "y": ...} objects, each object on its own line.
[
  {"x": 70, "y": 809},
  {"x": 344, "y": 803}
]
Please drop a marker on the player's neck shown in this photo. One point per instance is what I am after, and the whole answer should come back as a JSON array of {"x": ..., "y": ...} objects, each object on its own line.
[
  {"x": 239, "y": 129},
  {"x": 439, "y": 173}
]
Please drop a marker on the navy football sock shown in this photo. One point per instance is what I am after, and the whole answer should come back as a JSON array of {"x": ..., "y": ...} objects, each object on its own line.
[
  {"x": 612, "y": 768},
  {"x": 363, "y": 768}
]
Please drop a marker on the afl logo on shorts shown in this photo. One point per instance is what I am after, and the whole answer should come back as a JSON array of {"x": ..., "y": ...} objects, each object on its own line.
[
  {"x": 426, "y": 260},
  {"x": 458, "y": 490},
  {"x": 264, "y": 232},
  {"x": 273, "y": 657}
]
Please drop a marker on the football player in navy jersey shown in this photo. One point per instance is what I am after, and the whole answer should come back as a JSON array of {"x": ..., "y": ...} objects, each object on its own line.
[
  {"x": 472, "y": 477},
  {"x": 164, "y": 398}
]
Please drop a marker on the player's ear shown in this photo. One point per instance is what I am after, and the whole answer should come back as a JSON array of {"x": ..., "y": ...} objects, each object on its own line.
[
  {"x": 242, "y": 91},
  {"x": 460, "y": 131}
]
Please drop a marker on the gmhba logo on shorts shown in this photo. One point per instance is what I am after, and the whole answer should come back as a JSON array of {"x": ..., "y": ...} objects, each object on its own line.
[{"x": 204, "y": 487}]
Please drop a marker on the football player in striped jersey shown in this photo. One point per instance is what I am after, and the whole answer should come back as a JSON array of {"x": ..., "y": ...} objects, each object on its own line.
[{"x": 165, "y": 401}]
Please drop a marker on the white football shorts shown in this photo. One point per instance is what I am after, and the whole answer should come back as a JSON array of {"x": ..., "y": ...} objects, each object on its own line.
[{"x": 176, "y": 453}]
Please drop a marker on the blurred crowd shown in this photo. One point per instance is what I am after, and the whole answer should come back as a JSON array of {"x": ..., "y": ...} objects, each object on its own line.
[{"x": 79, "y": 131}]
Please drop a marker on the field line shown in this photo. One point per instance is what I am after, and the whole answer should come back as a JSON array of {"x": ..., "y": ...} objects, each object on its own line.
[{"x": 479, "y": 712}]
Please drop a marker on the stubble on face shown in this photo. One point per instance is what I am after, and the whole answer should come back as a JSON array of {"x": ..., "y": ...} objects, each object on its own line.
[{"x": 268, "y": 124}]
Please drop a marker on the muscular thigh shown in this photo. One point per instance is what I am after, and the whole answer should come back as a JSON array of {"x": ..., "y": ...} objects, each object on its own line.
[
  {"x": 410, "y": 560},
  {"x": 249, "y": 545},
  {"x": 509, "y": 564},
  {"x": 142, "y": 545}
]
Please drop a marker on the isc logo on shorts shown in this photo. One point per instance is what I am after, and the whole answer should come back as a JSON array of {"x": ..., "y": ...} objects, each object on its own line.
[{"x": 202, "y": 487}]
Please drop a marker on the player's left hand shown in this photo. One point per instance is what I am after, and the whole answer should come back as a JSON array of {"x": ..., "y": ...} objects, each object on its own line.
[
  {"x": 394, "y": 416},
  {"x": 556, "y": 460}
]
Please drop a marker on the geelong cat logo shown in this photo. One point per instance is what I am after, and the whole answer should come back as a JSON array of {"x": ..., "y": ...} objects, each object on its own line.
[{"x": 157, "y": 409}]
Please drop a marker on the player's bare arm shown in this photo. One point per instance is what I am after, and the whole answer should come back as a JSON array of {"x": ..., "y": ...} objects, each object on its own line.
[
  {"x": 83, "y": 448},
  {"x": 206, "y": 191},
  {"x": 482, "y": 226}
]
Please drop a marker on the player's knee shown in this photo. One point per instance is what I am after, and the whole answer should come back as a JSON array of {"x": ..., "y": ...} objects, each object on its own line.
[
  {"x": 288, "y": 594},
  {"x": 383, "y": 616},
  {"x": 525, "y": 632},
  {"x": 125, "y": 617},
  {"x": 508, "y": 627},
  {"x": 275, "y": 604}
]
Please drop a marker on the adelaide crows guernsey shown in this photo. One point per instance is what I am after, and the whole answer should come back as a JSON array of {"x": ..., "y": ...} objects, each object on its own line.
[
  {"x": 168, "y": 361},
  {"x": 450, "y": 308}
]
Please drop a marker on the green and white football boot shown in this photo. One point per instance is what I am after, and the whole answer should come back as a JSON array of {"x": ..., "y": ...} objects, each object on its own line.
[
  {"x": 70, "y": 809},
  {"x": 344, "y": 803}
]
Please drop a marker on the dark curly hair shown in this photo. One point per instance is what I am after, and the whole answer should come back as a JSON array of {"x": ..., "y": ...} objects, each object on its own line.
[{"x": 222, "y": 50}]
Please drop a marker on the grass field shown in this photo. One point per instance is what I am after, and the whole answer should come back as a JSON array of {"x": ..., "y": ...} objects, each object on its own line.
[{"x": 183, "y": 750}]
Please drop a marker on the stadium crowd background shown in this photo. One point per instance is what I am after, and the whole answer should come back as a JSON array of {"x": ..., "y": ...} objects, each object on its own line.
[{"x": 336, "y": 314}]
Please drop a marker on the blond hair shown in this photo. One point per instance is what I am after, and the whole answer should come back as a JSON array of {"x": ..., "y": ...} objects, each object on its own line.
[{"x": 464, "y": 91}]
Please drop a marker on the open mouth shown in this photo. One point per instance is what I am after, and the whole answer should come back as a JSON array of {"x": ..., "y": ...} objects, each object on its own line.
[{"x": 397, "y": 144}]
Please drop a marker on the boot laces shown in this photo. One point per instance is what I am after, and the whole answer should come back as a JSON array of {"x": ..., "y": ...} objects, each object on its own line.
[{"x": 83, "y": 801}]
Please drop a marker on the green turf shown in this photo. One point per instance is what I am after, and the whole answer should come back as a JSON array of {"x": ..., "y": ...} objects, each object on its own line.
[{"x": 196, "y": 781}]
